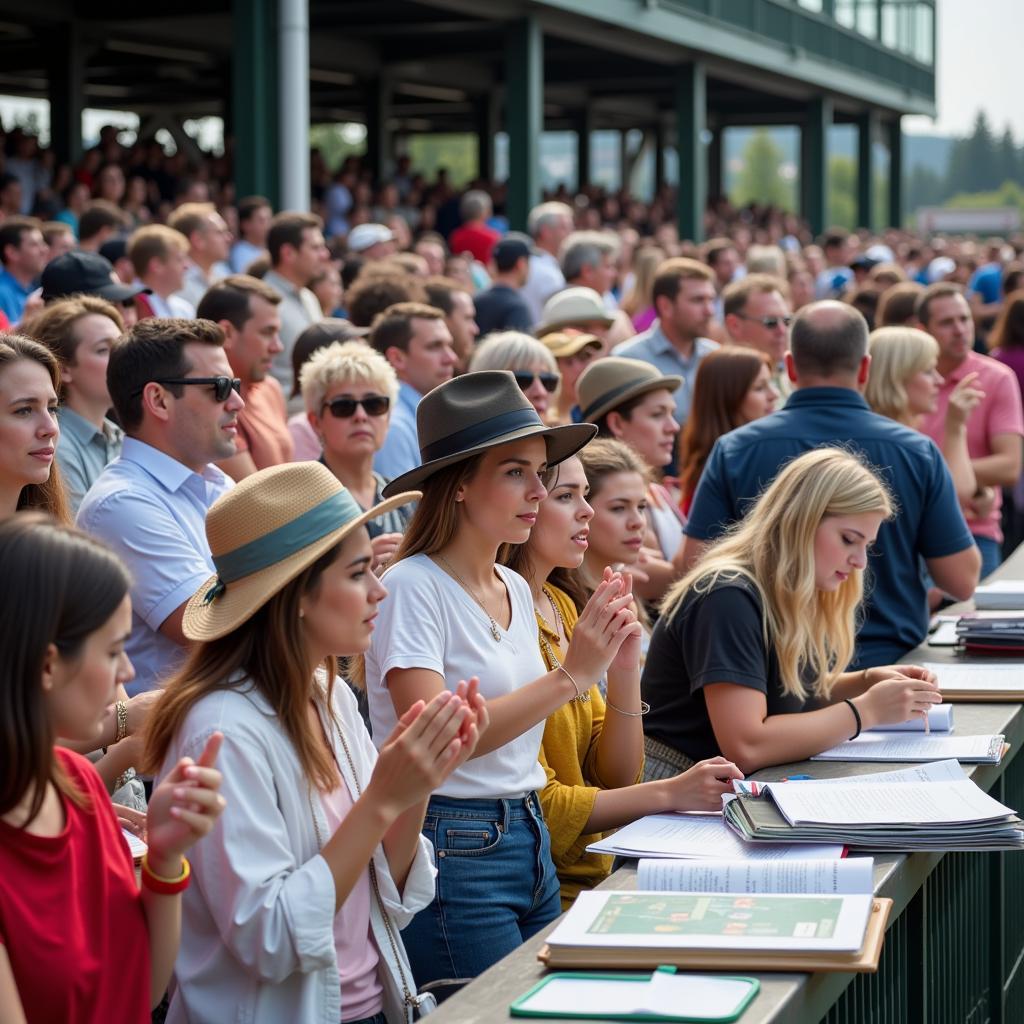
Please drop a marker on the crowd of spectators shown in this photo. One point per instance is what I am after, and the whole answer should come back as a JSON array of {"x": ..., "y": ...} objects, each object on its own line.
[{"x": 221, "y": 396}]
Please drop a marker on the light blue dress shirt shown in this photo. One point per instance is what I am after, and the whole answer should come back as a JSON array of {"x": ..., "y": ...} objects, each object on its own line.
[
  {"x": 652, "y": 346},
  {"x": 401, "y": 449},
  {"x": 151, "y": 510},
  {"x": 83, "y": 452}
]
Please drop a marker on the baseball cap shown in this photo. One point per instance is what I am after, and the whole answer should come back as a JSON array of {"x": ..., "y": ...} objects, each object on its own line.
[
  {"x": 362, "y": 236},
  {"x": 85, "y": 273},
  {"x": 510, "y": 249}
]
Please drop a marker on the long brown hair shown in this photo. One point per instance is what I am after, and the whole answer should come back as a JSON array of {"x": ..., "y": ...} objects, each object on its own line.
[
  {"x": 49, "y": 496},
  {"x": 60, "y": 586},
  {"x": 723, "y": 379},
  {"x": 1009, "y": 329},
  {"x": 266, "y": 649},
  {"x": 517, "y": 558}
]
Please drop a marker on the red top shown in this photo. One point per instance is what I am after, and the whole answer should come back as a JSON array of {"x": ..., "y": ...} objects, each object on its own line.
[
  {"x": 71, "y": 916},
  {"x": 475, "y": 238}
]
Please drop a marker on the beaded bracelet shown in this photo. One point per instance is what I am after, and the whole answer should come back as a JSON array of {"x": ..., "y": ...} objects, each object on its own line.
[
  {"x": 121, "y": 721},
  {"x": 166, "y": 886}
]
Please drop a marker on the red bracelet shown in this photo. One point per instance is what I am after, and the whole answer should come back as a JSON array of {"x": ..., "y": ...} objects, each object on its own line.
[{"x": 166, "y": 886}]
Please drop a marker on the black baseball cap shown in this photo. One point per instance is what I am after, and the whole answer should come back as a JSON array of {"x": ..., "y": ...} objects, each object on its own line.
[
  {"x": 85, "y": 273},
  {"x": 510, "y": 249}
]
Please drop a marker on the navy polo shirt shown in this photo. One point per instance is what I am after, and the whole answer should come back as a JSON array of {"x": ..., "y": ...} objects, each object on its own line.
[{"x": 928, "y": 523}]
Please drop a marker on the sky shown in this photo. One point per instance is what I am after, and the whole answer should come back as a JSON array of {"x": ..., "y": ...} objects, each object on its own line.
[{"x": 979, "y": 67}]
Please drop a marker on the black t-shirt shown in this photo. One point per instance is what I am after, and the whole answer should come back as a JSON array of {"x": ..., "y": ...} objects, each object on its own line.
[{"x": 713, "y": 637}]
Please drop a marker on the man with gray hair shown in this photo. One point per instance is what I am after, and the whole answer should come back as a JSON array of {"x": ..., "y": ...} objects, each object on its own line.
[
  {"x": 588, "y": 261},
  {"x": 475, "y": 235},
  {"x": 549, "y": 225},
  {"x": 828, "y": 363}
]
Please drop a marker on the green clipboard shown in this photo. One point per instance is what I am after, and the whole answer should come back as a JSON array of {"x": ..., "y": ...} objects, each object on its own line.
[{"x": 605, "y": 996}]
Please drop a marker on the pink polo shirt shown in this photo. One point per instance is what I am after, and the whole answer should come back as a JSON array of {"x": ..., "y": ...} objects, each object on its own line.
[{"x": 999, "y": 413}]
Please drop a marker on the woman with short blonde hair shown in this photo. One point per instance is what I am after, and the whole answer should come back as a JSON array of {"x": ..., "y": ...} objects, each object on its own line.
[
  {"x": 762, "y": 629},
  {"x": 349, "y": 391},
  {"x": 530, "y": 361}
]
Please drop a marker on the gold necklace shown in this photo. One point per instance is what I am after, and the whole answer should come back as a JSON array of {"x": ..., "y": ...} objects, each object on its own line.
[
  {"x": 545, "y": 644},
  {"x": 465, "y": 586}
]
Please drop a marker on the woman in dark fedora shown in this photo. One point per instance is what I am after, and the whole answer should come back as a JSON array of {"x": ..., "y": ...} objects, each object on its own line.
[
  {"x": 454, "y": 615},
  {"x": 303, "y": 887}
]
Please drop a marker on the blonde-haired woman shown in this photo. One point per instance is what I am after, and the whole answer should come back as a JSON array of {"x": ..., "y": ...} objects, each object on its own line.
[
  {"x": 638, "y": 304},
  {"x": 349, "y": 391},
  {"x": 747, "y": 658},
  {"x": 904, "y": 385},
  {"x": 531, "y": 363}
]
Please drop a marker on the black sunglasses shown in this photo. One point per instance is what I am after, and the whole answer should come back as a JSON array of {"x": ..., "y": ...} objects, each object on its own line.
[
  {"x": 524, "y": 379},
  {"x": 768, "y": 322},
  {"x": 222, "y": 386},
  {"x": 343, "y": 408}
]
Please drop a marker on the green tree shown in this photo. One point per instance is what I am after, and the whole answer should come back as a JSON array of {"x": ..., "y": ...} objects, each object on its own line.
[
  {"x": 760, "y": 178},
  {"x": 842, "y": 191},
  {"x": 980, "y": 156},
  {"x": 1007, "y": 162}
]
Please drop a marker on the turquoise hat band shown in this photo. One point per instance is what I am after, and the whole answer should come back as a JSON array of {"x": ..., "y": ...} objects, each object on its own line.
[{"x": 263, "y": 552}]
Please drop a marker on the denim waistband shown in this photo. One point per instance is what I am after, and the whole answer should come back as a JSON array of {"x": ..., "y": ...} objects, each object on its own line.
[{"x": 472, "y": 807}]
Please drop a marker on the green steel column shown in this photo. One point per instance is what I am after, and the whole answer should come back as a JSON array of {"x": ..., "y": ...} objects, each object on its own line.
[
  {"x": 658, "y": 132},
  {"x": 716, "y": 181},
  {"x": 524, "y": 116},
  {"x": 254, "y": 98},
  {"x": 65, "y": 89},
  {"x": 378, "y": 135},
  {"x": 867, "y": 129},
  {"x": 814, "y": 163},
  {"x": 691, "y": 117},
  {"x": 486, "y": 129},
  {"x": 584, "y": 127},
  {"x": 895, "y": 134}
]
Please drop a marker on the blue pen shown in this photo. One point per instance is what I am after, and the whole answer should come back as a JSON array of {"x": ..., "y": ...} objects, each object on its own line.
[{"x": 796, "y": 778}]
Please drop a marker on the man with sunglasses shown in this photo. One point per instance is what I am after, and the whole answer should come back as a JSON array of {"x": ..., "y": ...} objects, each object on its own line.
[
  {"x": 415, "y": 340},
  {"x": 758, "y": 315},
  {"x": 178, "y": 402},
  {"x": 246, "y": 310}
]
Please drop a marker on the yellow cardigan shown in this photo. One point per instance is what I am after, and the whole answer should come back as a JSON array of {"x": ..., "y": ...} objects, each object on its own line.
[{"x": 568, "y": 755}]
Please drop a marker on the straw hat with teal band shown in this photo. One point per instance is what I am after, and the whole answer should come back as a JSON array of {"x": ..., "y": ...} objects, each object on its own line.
[
  {"x": 467, "y": 415},
  {"x": 266, "y": 531}
]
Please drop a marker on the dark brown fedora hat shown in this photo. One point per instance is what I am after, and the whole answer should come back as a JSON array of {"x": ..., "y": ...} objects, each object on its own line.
[{"x": 469, "y": 414}]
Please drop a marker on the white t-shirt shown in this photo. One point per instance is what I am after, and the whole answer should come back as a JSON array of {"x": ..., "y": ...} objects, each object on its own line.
[{"x": 428, "y": 621}]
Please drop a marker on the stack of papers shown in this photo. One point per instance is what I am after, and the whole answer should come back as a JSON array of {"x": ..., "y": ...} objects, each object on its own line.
[
  {"x": 916, "y": 747},
  {"x": 850, "y": 875},
  {"x": 697, "y": 837},
  {"x": 931, "y": 807},
  {"x": 990, "y": 681},
  {"x": 720, "y": 931},
  {"x": 991, "y": 633},
  {"x": 1002, "y": 595}
]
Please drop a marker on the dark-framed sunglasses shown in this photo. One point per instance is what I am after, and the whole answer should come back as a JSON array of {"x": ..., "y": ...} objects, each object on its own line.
[
  {"x": 768, "y": 322},
  {"x": 343, "y": 407},
  {"x": 222, "y": 386},
  {"x": 524, "y": 378}
]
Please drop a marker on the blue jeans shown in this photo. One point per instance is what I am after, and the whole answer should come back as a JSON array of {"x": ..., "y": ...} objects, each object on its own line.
[
  {"x": 496, "y": 886},
  {"x": 991, "y": 555}
]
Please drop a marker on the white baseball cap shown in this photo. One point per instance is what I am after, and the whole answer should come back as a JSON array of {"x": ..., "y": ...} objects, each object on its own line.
[{"x": 362, "y": 236}]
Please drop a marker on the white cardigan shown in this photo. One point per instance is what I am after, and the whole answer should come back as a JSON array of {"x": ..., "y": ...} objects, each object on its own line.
[{"x": 257, "y": 942}]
